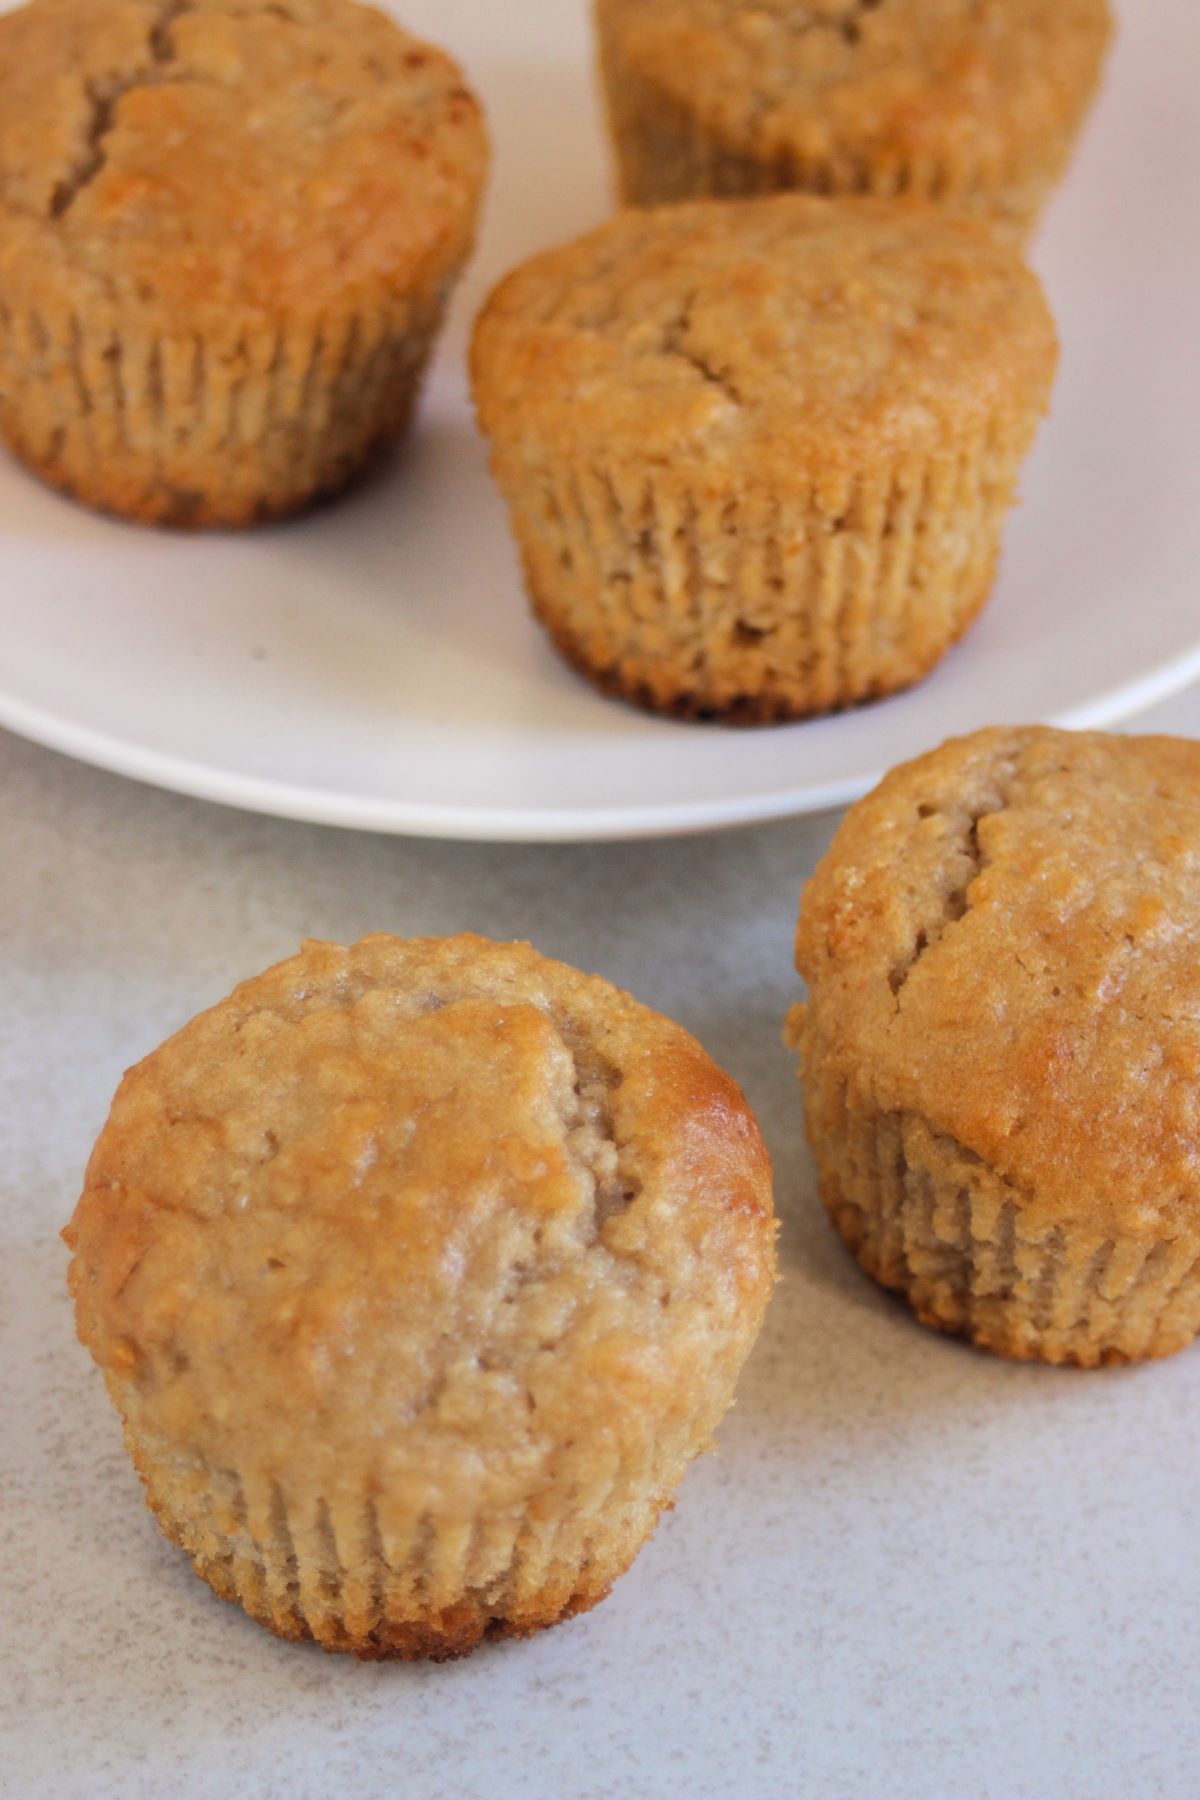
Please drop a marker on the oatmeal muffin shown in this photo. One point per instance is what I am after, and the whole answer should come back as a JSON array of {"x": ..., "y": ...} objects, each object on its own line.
[
  {"x": 419, "y": 1272},
  {"x": 757, "y": 456},
  {"x": 976, "y": 105},
  {"x": 1001, "y": 1041},
  {"x": 228, "y": 229}
]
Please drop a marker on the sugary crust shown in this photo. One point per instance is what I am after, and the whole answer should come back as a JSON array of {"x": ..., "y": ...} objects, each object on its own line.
[
  {"x": 757, "y": 458},
  {"x": 816, "y": 337},
  {"x": 193, "y": 158},
  {"x": 418, "y": 1272},
  {"x": 976, "y": 106},
  {"x": 227, "y": 233},
  {"x": 1001, "y": 1040}
]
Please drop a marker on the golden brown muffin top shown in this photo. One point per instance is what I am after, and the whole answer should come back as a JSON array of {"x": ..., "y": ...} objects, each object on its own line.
[
  {"x": 422, "y": 1212},
  {"x": 1003, "y": 940},
  {"x": 971, "y": 80},
  {"x": 263, "y": 154},
  {"x": 793, "y": 332}
]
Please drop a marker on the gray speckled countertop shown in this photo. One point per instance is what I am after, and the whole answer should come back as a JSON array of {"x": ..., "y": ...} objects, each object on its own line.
[{"x": 912, "y": 1571}]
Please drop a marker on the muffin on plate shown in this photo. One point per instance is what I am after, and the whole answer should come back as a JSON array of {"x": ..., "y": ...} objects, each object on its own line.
[
  {"x": 757, "y": 456},
  {"x": 976, "y": 105},
  {"x": 1001, "y": 1041},
  {"x": 227, "y": 235},
  {"x": 419, "y": 1271}
]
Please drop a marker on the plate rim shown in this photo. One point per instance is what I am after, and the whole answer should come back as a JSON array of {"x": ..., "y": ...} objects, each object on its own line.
[{"x": 525, "y": 825}]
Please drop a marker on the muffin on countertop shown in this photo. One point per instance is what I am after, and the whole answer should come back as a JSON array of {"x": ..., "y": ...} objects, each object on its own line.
[
  {"x": 1000, "y": 1049},
  {"x": 419, "y": 1271},
  {"x": 227, "y": 235},
  {"x": 757, "y": 455},
  {"x": 972, "y": 102}
]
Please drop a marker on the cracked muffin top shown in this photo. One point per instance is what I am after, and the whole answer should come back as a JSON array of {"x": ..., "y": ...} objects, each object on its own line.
[
  {"x": 802, "y": 332},
  {"x": 249, "y": 153},
  {"x": 968, "y": 78},
  {"x": 1002, "y": 939},
  {"x": 423, "y": 1210}
]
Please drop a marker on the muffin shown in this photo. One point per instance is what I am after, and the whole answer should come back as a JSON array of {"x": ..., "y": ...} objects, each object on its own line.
[
  {"x": 227, "y": 235},
  {"x": 974, "y": 105},
  {"x": 1001, "y": 1042},
  {"x": 418, "y": 1272},
  {"x": 757, "y": 456}
]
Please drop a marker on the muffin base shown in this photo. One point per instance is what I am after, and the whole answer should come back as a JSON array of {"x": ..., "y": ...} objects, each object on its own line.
[
  {"x": 744, "y": 711},
  {"x": 927, "y": 1219},
  {"x": 429, "y": 1588},
  {"x": 443, "y": 1637},
  {"x": 192, "y": 432},
  {"x": 754, "y": 608}
]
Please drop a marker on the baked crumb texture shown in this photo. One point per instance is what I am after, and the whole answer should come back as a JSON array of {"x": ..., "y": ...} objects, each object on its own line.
[
  {"x": 757, "y": 458},
  {"x": 227, "y": 235},
  {"x": 972, "y": 103},
  {"x": 1001, "y": 1041},
  {"x": 418, "y": 1272}
]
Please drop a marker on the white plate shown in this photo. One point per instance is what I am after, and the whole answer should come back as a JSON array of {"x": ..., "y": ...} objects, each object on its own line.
[{"x": 373, "y": 665}]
